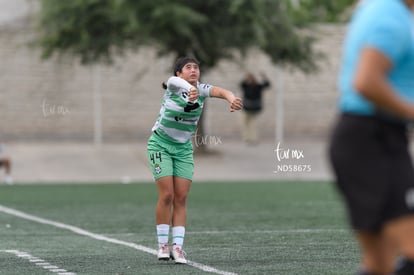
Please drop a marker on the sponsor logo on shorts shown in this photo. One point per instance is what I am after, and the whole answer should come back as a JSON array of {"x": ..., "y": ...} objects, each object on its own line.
[{"x": 157, "y": 168}]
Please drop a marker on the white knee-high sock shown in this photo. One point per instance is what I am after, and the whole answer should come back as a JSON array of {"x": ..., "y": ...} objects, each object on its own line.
[
  {"x": 178, "y": 233},
  {"x": 162, "y": 234}
]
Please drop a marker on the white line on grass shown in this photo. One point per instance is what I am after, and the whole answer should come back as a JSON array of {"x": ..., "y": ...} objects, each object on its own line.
[
  {"x": 92, "y": 235},
  {"x": 39, "y": 262}
]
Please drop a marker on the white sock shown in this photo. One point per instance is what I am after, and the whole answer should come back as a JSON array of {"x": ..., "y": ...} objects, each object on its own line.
[
  {"x": 162, "y": 234},
  {"x": 8, "y": 179},
  {"x": 178, "y": 233}
]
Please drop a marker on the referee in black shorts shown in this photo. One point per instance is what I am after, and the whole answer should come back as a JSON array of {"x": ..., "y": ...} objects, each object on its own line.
[{"x": 369, "y": 148}]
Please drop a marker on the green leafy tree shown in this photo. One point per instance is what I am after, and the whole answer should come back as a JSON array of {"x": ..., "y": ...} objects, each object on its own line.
[
  {"x": 304, "y": 12},
  {"x": 96, "y": 30}
]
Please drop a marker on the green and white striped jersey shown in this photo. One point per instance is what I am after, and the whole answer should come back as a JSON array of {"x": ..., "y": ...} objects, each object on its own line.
[{"x": 178, "y": 117}]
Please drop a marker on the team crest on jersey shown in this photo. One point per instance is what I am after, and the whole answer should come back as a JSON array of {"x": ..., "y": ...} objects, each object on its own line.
[
  {"x": 184, "y": 94},
  {"x": 157, "y": 168}
]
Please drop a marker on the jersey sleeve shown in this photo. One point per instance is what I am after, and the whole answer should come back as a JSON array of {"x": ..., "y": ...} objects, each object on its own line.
[
  {"x": 384, "y": 36},
  {"x": 204, "y": 89},
  {"x": 176, "y": 83}
]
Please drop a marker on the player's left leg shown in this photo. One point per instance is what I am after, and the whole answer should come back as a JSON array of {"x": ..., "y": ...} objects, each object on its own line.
[
  {"x": 400, "y": 209},
  {"x": 183, "y": 167},
  {"x": 181, "y": 189},
  {"x": 377, "y": 255},
  {"x": 404, "y": 267},
  {"x": 402, "y": 232},
  {"x": 179, "y": 218},
  {"x": 399, "y": 227}
]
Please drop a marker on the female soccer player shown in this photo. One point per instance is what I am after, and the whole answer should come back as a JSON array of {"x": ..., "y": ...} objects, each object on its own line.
[
  {"x": 170, "y": 151},
  {"x": 369, "y": 148}
]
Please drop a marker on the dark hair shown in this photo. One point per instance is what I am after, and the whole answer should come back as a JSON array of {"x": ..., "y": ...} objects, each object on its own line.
[{"x": 180, "y": 63}]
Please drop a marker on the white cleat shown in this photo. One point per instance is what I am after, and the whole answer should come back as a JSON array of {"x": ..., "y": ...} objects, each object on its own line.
[
  {"x": 163, "y": 253},
  {"x": 178, "y": 255}
]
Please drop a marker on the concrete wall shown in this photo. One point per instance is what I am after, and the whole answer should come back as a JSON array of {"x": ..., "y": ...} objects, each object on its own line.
[{"x": 53, "y": 100}]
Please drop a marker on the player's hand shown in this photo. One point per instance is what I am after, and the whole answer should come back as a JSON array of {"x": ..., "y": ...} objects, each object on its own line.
[
  {"x": 193, "y": 94},
  {"x": 236, "y": 104}
]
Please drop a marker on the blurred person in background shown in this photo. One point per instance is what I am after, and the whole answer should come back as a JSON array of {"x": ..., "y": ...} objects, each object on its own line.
[
  {"x": 252, "y": 104},
  {"x": 369, "y": 149},
  {"x": 170, "y": 150},
  {"x": 5, "y": 163}
]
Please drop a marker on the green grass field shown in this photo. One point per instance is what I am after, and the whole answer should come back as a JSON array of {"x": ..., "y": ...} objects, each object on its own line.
[{"x": 233, "y": 228}]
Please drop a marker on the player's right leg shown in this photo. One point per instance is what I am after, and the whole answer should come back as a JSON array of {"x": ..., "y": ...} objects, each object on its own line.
[{"x": 162, "y": 169}]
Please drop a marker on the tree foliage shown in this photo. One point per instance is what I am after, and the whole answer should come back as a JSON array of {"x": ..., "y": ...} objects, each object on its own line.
[
  {"x": 305, "y": 11},
  {"x": 98, "y": 30},
  {"x": 87, "y": 29}
]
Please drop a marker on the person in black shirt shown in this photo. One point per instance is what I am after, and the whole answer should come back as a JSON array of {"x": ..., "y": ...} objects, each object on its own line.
[{"x": 252, "y": 104}]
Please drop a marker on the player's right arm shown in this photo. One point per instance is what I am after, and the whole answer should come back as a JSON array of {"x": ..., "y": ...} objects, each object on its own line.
[{"x": 176, "y": 83}]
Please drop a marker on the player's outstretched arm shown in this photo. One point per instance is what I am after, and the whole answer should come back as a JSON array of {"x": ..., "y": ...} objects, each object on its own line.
[
  {"x": 174, "y": 83},
  {"x": 235, "y": 102}
]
